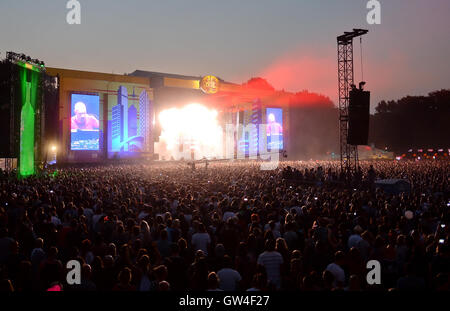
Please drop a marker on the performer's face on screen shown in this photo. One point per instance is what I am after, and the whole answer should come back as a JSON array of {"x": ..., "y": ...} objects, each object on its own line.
[
  {"x": 80, "y": 112},
  {"x": 271, "y": 118}
]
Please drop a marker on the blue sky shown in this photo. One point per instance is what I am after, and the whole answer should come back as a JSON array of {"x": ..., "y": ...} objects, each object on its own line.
[{"x": 236, "y": 40}]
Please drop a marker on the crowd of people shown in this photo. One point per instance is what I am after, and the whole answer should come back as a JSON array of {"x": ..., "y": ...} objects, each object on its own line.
[{"x": 228, "y": 226}]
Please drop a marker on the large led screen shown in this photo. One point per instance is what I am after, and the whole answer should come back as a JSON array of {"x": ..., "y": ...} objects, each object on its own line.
[
  {"x": 129, "y": 119},
  {"x": 84, "y": 123},
  {"x": 274, "y": 128}
]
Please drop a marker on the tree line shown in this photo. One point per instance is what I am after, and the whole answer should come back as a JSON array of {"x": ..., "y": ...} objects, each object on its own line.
[{"x": 412, "y": 122}]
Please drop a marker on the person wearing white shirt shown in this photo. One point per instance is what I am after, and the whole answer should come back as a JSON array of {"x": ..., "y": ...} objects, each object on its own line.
[
  {"x": 201, "y": 239},
  {"x": 336, "y": 269},
  {"x": 228, "y": 277},
  {"x": 355, "y": 238},
  {"x": 271, "y": 260}
]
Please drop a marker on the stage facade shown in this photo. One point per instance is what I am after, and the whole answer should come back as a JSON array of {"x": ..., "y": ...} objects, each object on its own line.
[{"x": 163, "y": 116}]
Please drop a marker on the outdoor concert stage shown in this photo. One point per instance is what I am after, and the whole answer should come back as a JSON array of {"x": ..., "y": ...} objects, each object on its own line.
[{"x": 158, "y": 116}]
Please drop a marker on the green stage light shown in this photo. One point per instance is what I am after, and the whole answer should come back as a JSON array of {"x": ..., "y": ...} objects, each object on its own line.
[
  {"x": 27, "y": 120},
  {"x": 29, "y": 66}
]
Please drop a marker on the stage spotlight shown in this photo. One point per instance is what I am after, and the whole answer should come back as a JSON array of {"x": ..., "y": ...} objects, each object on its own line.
[
  {"x": 194, "y": 126},
  {"x": 53, "y": 148}
]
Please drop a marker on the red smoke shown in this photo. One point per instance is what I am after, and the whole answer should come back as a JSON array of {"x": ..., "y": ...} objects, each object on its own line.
[
  {"x": 299, "y": 78},
  {"x": 388, "y": 75},
  {"x": 302, "y": 70},
  {"x": 259, "y": 88}
]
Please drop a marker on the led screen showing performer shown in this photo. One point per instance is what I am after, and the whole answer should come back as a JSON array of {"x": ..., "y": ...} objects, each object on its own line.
[
  {"x": 84, "y": 122},
  {"x": 274, "y": 128}
]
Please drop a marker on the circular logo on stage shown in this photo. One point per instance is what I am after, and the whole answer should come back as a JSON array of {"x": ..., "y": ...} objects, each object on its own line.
[{"x": 209, "y": 84}]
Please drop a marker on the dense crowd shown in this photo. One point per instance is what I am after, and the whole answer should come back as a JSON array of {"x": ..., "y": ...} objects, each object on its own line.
[{"x": 228, "y": 226}]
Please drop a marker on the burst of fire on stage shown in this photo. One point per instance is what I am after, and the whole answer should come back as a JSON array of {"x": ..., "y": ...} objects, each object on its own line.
[{"x": 192, "y": 128}]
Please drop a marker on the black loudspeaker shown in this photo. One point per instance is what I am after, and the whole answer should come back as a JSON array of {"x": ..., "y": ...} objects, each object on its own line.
[
  {"x": 9, "y": 110},
  {"x": 5, "y": 110},
  {"x": 358, "y": 117}
]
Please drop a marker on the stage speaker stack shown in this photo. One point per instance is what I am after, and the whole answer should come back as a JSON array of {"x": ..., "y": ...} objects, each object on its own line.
[
  {"x": 358, "y": 117},
  {"x": 9, "y": 111}
]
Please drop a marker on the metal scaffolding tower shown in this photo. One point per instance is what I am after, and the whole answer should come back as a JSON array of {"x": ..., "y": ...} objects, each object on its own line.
[{"x": 349, "y": 153}]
